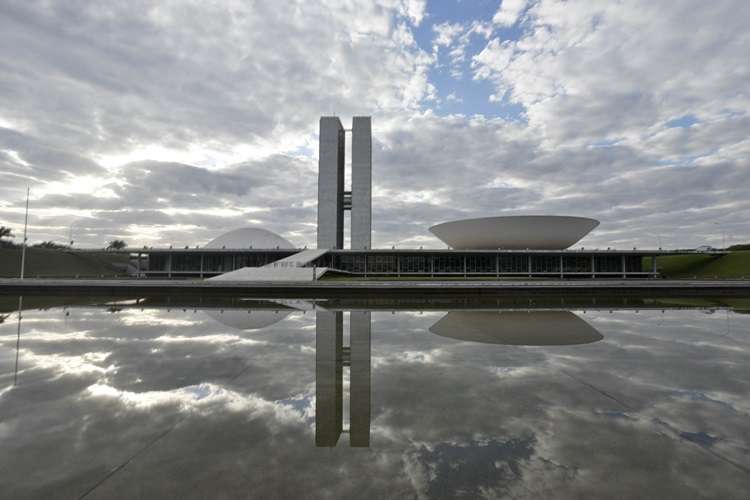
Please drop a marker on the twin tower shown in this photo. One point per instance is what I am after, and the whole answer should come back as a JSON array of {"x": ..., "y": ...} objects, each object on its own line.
[{"x": 333, "y": 200}]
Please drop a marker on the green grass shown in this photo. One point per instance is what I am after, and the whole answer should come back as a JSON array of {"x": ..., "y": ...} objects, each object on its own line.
[
  {"x": 43, "y": 262},
  {"x": 732, "y": 265}
]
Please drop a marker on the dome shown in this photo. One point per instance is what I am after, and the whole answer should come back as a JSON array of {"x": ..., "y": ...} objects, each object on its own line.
[
  {"x": 247, "y": 237},
  {"x": 520, "y": 232}
]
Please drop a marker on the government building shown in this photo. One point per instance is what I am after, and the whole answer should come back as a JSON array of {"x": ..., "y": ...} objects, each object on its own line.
[{"x": 488, "y": 247}]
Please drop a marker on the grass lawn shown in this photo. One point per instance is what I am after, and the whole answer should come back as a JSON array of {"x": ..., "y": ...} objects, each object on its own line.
[
  {"x": 732, "y": 265},
  {"x": 45, "y": 262}
]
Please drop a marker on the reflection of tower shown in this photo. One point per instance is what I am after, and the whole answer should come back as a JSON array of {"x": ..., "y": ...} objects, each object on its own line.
[
  {"x": 331, "y": 357},
  {"x": 333, "y": 200}
]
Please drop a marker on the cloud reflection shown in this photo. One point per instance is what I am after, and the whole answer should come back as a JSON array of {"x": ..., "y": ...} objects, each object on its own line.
[{"x": 659, "y": 401}]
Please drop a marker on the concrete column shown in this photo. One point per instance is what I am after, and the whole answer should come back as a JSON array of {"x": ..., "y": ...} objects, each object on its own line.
[
  {"x": 361, "y": 215},
  {"x": 562, "y": 268},
  {"x": 331, "y": 183},
  {"x": 464, "y": 265},
  {"x": 529, "y": 265},
  {"x": 201, "y": 265},
  {"x": 359, "y": 374},
  {"x": 497, "y": 265},
  {"x": 593, "y": 266},
  {"x": 624, "y": 268},
  {"x": 169, "y": 265},
  {"x": 329, "y": 327},
  {"x": 398, "y": 265}
]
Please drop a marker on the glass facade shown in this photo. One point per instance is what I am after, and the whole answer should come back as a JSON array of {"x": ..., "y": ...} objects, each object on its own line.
[{"x": 383, "y": 263}]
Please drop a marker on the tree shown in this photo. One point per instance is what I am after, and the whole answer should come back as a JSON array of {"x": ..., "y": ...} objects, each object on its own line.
[
  {"x": 51, "y": 245},
  {"x": 116, "y": 245},
  {"x": 6, "y": 232}
]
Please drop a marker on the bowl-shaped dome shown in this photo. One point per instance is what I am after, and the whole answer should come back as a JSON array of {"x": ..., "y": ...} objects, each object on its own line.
[
  {"x": 519, "y": 232},
  {"x": 250, "y": 237}
]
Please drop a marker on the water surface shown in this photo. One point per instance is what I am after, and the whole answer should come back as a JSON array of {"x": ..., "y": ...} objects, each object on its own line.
[{"x": 186, "y": 398}]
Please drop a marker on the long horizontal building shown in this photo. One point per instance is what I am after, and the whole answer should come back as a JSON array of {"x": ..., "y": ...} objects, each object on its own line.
[
  {"x": 208, "y": 262},
  {"x": 489, "y": 247}
]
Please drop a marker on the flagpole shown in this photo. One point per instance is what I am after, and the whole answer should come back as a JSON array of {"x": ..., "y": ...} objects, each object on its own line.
[{"x": 25, "y": 226}]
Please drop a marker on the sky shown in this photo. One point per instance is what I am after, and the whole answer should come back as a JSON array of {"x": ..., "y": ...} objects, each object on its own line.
[{"x": 169, "y": 123}]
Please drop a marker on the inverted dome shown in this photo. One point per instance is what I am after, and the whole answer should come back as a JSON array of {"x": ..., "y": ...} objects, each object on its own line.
[
  {"x": 532, "y": 328},
  {"x": 248, "y": 320},
  {"x": 247, "y": 237},
  {"x": 519, "y": 232}
]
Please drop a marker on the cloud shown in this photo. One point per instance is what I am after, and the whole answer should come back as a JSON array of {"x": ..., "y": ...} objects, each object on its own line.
[
  {"x": 509, "y": 11},
  {"x": 170, "y": 123}
]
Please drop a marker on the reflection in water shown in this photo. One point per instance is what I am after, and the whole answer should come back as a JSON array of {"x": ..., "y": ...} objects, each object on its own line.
[
  {"x": 523, "y": 328},
  {"x": 331, "y": 356},
  {"x": 248, "y": 320},
  {"x": 134, "y": 400},
  {"x": 18, "y": 339}
]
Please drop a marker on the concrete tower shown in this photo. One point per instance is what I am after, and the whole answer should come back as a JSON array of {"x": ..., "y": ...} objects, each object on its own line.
[
  {"x": 332, "y": 199},
  {"x": 361, "y": 183},
  {"x": 331, "y": 183}
]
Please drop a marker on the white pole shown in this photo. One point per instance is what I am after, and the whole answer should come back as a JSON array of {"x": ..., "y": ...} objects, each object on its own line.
[{"x": 25, "y": 227}]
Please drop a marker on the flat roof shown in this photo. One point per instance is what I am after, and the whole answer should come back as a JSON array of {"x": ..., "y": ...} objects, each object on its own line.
[{"x": 569, "y": 251}]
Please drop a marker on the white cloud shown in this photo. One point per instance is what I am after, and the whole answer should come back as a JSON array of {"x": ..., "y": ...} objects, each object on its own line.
[{"x": 508, "y": 13}]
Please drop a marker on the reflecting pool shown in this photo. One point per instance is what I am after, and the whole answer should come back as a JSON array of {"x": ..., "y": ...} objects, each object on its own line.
[{"x": 169, "y": 397}]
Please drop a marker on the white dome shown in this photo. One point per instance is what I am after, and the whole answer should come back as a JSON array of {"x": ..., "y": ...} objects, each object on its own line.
[
  {"x": 247, "y": 237},
  {"x": 519, "y": 232}
]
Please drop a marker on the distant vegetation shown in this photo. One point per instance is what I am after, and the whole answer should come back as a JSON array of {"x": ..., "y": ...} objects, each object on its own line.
[
  {"x": 51, "y": 245},
  {"x": 116, "y": 245},
  {"x": 742, "y": 246},
  {"x": 6, "y": 234}
]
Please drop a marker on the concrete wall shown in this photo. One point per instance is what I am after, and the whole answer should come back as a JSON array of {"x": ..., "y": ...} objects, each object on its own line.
[
  {"x": 361, "y": 221},
  {"x": 331, "y": 184}
]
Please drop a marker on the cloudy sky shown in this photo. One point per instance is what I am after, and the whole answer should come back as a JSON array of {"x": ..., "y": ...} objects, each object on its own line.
[{"x": 171, "y": 122}]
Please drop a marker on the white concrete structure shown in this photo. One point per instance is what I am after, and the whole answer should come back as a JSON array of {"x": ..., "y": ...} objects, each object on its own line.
[
  {"x": 331, "y": 183},
  {"x": 333, "y": 200},
  {"x": 361, "y": 221},
  {"x": 291, "y": 268},
  {"x": 250, "y": 237},
  {"x": 538, "y": 232}
]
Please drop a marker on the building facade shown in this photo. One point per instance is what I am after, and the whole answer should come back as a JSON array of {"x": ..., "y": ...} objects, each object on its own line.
[{"x": 333, "y": 199}]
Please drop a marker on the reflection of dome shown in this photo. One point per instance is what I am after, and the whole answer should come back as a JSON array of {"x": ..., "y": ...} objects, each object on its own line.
[
  {"x": 242, "y": 319},
  {"x": 247, "y": 237},
  {"x": 532, "y": 328},
  {"x": 538, "y": 232}
]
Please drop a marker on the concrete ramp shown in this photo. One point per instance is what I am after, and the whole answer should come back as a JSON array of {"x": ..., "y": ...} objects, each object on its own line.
[
  {"x": 288, "y": 269},
  {"x": 299, "y": 259}
]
